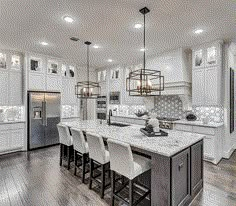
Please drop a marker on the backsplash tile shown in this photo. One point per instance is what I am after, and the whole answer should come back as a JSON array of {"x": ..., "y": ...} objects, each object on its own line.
[
  {"x": 168, "y": 106},
  {"x": 124, "y": 110},
  {"x": 12, "y": 113},
  {"x": 171, "y": 106},
  {"x": 69, "y": 111}
]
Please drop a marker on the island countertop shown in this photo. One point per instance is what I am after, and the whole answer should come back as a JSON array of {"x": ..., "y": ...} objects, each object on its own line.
[{"x": 168, "y": 146}]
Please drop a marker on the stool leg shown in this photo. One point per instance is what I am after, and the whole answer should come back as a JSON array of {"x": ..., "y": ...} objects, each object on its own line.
[
  {"x": 68, "y": 157},
  {"x": 83, "y": 167},
  {"x": 75, "y": 157},
  {"x": 91, "y": 173},
  {"x": 102, "y": 181},
  {"x": 61, "y": 153},
  {"x": 130, "y": 192},
  {"x": 113, "y": 186}
]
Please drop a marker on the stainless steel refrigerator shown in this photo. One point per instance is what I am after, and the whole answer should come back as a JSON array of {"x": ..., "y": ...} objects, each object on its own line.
[{"x": 44, "y": 109}]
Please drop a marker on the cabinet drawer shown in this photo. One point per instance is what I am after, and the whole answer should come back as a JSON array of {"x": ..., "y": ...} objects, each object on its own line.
[
  {"x": 139, "y": 121},
  {"x": 5, "y": 127},
  {"x": 204, "y": 130},
  {"x": 18, "y": 126},
  {"x": 183, "y": 127}
]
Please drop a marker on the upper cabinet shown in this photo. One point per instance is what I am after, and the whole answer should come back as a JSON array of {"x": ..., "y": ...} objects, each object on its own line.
[
  {"x": 207, "y": 75},
  {"x": 11, "y": 78}
]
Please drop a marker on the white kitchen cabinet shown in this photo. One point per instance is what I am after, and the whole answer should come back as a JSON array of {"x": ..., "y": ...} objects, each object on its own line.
[
  {"x": 68, "y": 96},
  {"x": 206, "y": 86},
  {"x": 198, "y": 87},
  {"x": 15, "y": 88},
  {"x": 207, "y": 75},
  {"x": 11, "y": 137},
  {"x": 212, "y": 86},
  {"x": 36, "y": 81},
  {"x": 212, "y": 140},
  {"x": 54, "y": 82},
  {"x": 3, "y": 88}
]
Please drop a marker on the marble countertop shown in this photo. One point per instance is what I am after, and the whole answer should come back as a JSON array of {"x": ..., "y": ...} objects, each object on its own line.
[
  {"x": 168, "y": 146},
  {"x": 199, "y": 123},
  {"x": 12, "y": 122}
]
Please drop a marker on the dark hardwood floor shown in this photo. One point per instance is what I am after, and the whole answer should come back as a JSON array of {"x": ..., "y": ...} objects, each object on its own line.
[{"x": 35, "y": 178}]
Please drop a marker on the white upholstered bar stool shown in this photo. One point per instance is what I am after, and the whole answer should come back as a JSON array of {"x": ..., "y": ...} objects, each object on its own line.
[
  {"x": 66, "y": 142},
  {"x": 100, "y": 156},
  {"x": 80, "y": 150},
  {"x": 129, "y": 165}
]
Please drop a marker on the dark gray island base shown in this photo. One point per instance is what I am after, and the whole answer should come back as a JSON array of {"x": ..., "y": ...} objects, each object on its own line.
[
  {"x": 176, "y": 180},
  {"x": 177, "y": 160}
]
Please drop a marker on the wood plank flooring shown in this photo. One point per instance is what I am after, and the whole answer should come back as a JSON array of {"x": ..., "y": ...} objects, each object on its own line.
[{"x": 35, "y": 178}]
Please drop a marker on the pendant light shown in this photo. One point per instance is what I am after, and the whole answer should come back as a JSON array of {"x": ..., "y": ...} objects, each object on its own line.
[
  {"x": 145, "y": 82},
  {"x": 87, "y": 89}
]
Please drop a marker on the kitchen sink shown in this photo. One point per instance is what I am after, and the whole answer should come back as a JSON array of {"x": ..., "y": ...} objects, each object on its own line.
[{"x": 119, "y": 124}]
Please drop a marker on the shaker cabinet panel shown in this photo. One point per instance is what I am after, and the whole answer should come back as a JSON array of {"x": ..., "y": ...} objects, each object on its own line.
[
  {"x": 54, "y": 83},
  {"x": 198, "y": 86},
  {"x": 16, "y": 139},
  {"x": 212, "y": 86},
  {"x": 37, "y": 81},
  {"x": 3, "y": 88},
  {"x": 68, "y": 92},
  {"x": 181, "y": 178},
  {"x": 4, "y": 140},
  {"x": 197, "y": 167},
  {"x": 15, "y": 88}
]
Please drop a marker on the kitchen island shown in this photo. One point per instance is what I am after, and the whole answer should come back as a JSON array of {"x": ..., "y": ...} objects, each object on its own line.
[{"x": 177, "y": 159}]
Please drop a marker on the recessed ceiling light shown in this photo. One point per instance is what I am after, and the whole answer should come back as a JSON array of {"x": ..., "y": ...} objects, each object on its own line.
[
  {"x": 44, "y": 43},
  {"x": 143, "y": 49},
  {"x": 68, "y": 19},
  {"x": 138, "y": 26},
  {"x": 198, "y": 31},
  {"x": 110, "y": 60},
  {"x": 95, "y": 46},
  {"x": 74, "y": 38}
]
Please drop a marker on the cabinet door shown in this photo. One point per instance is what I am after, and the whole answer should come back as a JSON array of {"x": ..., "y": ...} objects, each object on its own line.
[
  {"x": 212, "y": 86},
  {"x": 209, "y": 148},
  {"x": 198, "y": 87},
  {"x": 181, "y": 178},
  {"x": 54, "y": 83},
  {"x": 4, "y": 140},
  {"x": 4, "y": 88},
  {"x": 16, "y": 139},
  {"x": 37, "y": 81},
  {"x": 68, "y": 91},
  {"x": 197, "y": 168},
  {"x": 15, "y": 88}
]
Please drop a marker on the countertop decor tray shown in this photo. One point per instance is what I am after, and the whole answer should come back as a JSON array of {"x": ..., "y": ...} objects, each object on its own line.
[{"x": 153, "y": 134}]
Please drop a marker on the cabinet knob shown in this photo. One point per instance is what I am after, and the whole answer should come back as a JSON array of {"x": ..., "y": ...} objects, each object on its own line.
[{"x": 181, "y": 165}]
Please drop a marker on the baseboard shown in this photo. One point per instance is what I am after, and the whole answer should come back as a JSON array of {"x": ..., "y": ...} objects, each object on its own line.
[{"x": 228, "y": 154}]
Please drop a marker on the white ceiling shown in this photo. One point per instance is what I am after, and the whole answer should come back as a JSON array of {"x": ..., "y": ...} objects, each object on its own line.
[{"x": 109, "y": 23}]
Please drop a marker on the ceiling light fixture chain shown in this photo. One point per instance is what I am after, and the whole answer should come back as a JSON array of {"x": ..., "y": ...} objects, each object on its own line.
[
  {"x": 87, "y": 89},
  {"x": 145, "y": 82}
]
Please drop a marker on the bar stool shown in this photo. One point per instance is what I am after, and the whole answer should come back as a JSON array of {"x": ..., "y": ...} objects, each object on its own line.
[
  {"x": 99, "y": 155},
  {"x": 66, "y": 142},
  {"x": 80, "y": 150},
  {"x": 129, "y": 165}
]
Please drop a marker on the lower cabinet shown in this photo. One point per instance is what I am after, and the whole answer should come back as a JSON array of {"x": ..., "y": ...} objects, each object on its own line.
[
  {"x": 11, "y": 137},
  {"x": 181, "y": 178},
  {"x": 212, "y": 141},
  {"x": 196, "y": 168}
]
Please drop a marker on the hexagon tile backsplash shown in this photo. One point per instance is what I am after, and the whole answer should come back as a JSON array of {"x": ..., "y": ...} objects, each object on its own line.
[{"x": 171, "y": 106}]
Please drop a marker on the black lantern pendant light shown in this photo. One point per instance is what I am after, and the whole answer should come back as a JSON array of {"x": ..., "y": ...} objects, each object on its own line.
[
  {"x": 87, "y": 89},
  {"x": 145, "y": 82}
]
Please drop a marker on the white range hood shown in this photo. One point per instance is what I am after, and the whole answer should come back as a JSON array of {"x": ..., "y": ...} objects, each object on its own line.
[{"x": 183, "y": 90}]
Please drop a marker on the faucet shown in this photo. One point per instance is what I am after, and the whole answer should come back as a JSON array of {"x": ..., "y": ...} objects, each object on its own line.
[{"x": 109, "y": 118}]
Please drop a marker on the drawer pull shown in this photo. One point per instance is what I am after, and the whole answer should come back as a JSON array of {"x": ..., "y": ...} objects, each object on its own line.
[{"x": 181, "y": 165}]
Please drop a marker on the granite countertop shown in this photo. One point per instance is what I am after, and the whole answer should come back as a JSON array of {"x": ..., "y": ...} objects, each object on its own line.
[
  {"x": 168, "y": 146},
  {"x": 199, "y": 123},
  {"x": 12, "y": 122},
  {"x": 130, "y": 116}
]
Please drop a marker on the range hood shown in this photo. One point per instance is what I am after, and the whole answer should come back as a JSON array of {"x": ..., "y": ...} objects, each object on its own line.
[{"x": 183, "y": 90}]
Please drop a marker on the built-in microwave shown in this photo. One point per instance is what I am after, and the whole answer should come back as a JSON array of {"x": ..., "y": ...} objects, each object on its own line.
[{"x": 114, "y": 98}]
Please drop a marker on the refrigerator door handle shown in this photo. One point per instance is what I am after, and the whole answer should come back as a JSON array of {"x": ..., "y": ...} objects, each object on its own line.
[{"x": 45, "y": 114}]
